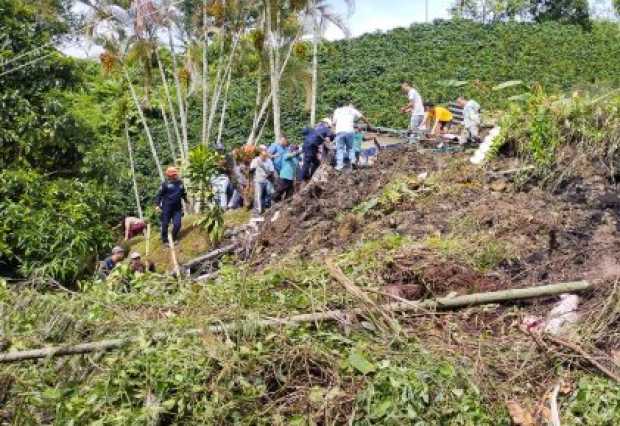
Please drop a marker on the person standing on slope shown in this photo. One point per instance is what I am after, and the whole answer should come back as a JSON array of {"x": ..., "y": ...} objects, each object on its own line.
[
  {"x": 415, "y": 106},
  {"x": 264, "y": 173},
  {"x": 313, "y": 140},
  {"x": 344, "y": 121},
  {"x": 168, "y": 202}
]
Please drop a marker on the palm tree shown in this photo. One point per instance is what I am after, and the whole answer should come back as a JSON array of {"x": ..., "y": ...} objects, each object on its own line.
[
  {"x": 113, "y": 28},
  {"x": 318, "y": 15},
  {"x": 133, "y": 170}
]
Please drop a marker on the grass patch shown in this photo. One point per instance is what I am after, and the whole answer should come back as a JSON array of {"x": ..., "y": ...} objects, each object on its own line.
[
  {"x": 482, "y": 251},
  {"x": 194, "y": 240}
]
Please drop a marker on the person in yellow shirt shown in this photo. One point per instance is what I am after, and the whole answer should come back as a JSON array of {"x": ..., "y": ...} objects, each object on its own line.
[{"x": 437, "y": 116}]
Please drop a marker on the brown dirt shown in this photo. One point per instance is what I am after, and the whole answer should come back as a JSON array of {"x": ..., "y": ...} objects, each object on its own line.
[
  {"x": 468, "y": 231},
  {"x": 313, "y": 221},
  {"x": 549, "y": 236}
]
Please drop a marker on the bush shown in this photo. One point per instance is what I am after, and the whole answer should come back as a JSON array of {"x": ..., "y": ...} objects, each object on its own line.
[
  {"x": 52, "y": 228},
  {"x": 563, "y": 135}
]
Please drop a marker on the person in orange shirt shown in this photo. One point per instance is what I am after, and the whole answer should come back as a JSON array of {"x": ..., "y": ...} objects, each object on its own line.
[{"x": 438, "y": 117}]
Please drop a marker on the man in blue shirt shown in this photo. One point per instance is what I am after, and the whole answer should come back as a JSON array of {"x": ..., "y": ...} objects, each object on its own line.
[
  {"x": 313, "y": 140},
  {"x": 168, "y": 202},
  {"x": 106, "y": 266},
  {"x": 277, "y": 151},
  {"x": 288, "y": 173}
]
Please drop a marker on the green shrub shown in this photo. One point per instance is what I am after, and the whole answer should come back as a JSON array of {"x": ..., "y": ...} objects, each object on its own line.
[{"x": 53, "y": 228}]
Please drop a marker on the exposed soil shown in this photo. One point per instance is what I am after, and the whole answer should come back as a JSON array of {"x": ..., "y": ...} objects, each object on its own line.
[
  {"x": 316, "y": 218},
  {"x": 470, "y": 231},
  {"x": 550, "y": 236}
]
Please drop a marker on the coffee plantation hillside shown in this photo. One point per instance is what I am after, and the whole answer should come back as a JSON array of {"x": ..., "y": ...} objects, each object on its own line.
[{"x": 443, "y": 60}]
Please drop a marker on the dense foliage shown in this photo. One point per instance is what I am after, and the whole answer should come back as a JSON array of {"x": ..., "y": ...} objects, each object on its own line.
[
  {"x": 62, "y": 121},
  {"x": 444, "y": 60},
  {"x": 563, "y": 11},
  {"x": 60, "y": 186},
  {"x": 564, "y": 136}
]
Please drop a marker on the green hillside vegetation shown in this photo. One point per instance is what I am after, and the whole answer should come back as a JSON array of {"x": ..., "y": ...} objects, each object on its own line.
[
  {"x": 445, "y": 60},
  {"x": 310, "y": 320}
]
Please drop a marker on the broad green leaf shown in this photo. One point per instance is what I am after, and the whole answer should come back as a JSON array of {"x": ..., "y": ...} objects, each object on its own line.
[
  {"x": 507, "y": 84},
  {"x": 358, "y": 361},
  {"x": 452, "y": 83}
]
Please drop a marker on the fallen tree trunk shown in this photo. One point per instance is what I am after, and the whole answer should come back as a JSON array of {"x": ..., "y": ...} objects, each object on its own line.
[
  {"x": 333, "y": 315},
  {"x": 212, "y": 255}
]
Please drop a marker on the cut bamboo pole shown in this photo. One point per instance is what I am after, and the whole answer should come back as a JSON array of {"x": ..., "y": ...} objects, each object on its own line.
[
  {"x": 332, "y": 315},
  {"x": 212, "y": 255}
]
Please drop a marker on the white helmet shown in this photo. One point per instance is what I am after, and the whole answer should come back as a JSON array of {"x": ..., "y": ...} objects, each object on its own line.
[{"x": 327, "y": 121}]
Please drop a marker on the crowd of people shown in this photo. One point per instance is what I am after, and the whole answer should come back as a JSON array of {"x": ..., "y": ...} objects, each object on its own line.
[
  {"x": 257, "y": 177},
  {"x": 435, "y": 119}
]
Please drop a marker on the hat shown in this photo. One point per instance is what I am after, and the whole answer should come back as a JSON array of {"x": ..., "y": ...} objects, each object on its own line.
[
  {"x": 117, "y": 250},
  {"x": 134, "y": 255},
  {"x": 327, "y": 121},
  {"x": 172, "y": 172}
]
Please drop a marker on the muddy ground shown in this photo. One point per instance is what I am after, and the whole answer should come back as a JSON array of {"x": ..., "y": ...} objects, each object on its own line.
[
  {"x": 553, "y": 236},
  {"x": 471, "y": 229}
]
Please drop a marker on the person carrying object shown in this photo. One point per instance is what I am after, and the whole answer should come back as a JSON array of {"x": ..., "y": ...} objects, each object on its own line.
[{"x": 314, "y": 139}]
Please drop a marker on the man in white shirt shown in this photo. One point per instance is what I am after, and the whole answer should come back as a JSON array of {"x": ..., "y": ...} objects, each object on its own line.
[
  {"x": 471, "y": 120},
  {"x": 415, "y": 105},
  {"x": 344, "y": 120}
]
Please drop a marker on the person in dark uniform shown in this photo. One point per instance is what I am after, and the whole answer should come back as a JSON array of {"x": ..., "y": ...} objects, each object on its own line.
[
  {"x": 313, "y": 140},
  {"x": 168, "y": 202}
]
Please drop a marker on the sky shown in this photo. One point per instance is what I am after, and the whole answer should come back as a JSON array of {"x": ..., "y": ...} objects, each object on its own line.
[
  {"x": 373, "y": 15},
  {"x": 369, "y": 16}
]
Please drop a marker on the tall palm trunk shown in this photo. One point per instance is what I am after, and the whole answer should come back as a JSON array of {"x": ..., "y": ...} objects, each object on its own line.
[
  {"x": 147, "y": 130},
  {"x": 181, "y": 104},
  {"x": 173, "y": 118},
  {"x": 268, "y": 99},
  {"x": 168, "y": 131},
  {"x": 315, "y": 74},
  {"x": 274, "y": 46},
  {"x": 262, "y": 130},
  {"x": 257, "y": 105},
  {"x": 133, "y": 171},
  {"x": 205, "y": 75},
  {"x": 215, "y": 97},
  {"x": 218, "y": 144},
  {"x": 221, "y": 81}
]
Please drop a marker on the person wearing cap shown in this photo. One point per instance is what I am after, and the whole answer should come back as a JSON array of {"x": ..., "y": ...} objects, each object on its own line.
[
  {"x": 110, "y": 262},
  {"x": 314, "y": 138},
  {"x": 288, "y": 173},
  {"x": 136, "y": 265},
  {"x": 168, "y": 202}
]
